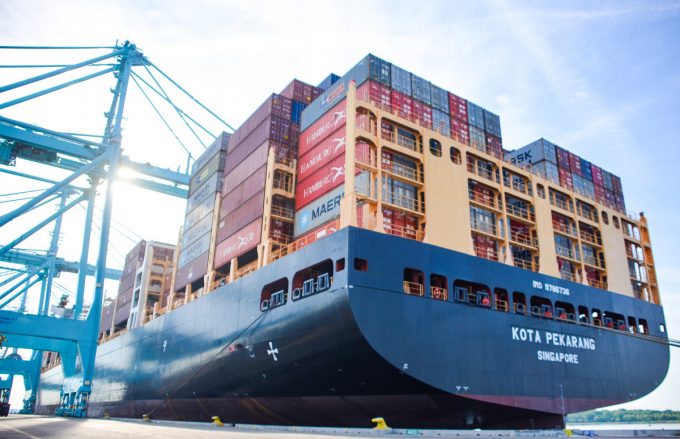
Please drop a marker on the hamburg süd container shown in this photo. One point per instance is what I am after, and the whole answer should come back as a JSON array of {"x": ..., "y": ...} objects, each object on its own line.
[
  {"x": 319, "y": 183},
  {"x": 240, "y": 242},
  {"x": 330, "y": 122},
  {"x": 321, "y": 154}
]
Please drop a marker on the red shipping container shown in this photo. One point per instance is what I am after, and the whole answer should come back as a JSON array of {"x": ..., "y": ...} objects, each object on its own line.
[
  {"x": 562, "y": 158},
  {"x": 244, "y": 191},
  {"x": 322, "y": 154},
  {"x": 458, "y": 108},
  {"x": 318, "y": 233},
  {"x": 247, "y": 167},
  {"x": 240, "y": 242},
  {"x": 599, "y": 193},
  {"x": 575, "y": 164},
  {"x": 246, "y": 148},
  {"x": 322, "y": 181},
  {"x": 494, "y": 146},
  {"x": 460, "y": 131},
  {"x": 241, "y": 216},
  {"x": 422, "y": 113},
  {"x": 376, "y": 93},
  {"x": 402, "y": 104},
  {"x": 387, "y": 159},
  {"x": 301, "y": 92},
  {"x": 330, "y": 122},
  {"x": 191, "y": 272},
  {"x": 252, "y": 123},
  {"x": 565, "y": 179},
  {"x": 387, "y": 219},
  {"x": 598, "y": 176}
]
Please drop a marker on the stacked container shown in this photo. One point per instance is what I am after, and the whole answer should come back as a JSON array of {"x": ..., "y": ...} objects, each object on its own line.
[{"x": 206, "y": 182}]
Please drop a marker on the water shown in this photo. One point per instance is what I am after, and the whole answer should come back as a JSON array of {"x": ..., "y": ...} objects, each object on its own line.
[{"x": 625, "y": 426}]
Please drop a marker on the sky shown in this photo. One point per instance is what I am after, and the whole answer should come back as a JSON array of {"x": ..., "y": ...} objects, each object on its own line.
[{"x": 601, "y": 79}]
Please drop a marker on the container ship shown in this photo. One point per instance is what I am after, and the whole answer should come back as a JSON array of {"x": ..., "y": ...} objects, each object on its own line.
[{"x": 369, "y": 248}]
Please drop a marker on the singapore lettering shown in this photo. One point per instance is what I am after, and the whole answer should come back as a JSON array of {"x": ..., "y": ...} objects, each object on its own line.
[{"x": 549, "y": 338}]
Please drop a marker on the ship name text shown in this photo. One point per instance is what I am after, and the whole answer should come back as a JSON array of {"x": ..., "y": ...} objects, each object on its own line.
[{"x": 550, "y": 338}]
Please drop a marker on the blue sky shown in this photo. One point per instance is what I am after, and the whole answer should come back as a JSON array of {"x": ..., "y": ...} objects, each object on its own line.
[{"x": 599, "y": 78}]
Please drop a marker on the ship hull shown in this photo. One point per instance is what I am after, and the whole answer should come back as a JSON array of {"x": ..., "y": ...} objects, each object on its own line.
[{"x": 363, "y": 348}]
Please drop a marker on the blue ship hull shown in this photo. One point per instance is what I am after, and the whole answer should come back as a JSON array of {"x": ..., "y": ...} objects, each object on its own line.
[{"x": 364, "y": 348}]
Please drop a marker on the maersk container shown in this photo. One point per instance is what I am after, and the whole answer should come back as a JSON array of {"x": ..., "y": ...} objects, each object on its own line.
[
  {"x": 220, "y": 143},
  {"x": 247, "y": 212},
  {"x": 401, "y": 80},
  {"x": 441, "y": 122},
  {"x": 191, "y": 272},
  {"x": 379, "y": 70},
  {"x": 440, "y": 99},
  {"x": 421, "y": 90},
  {"x": 296, "y": 111},
  {"x": 330, "y": 80},
  {"x": 320, "y": 211},
  {"x": 475, "y": 115},
  {"x": 534, "y": 152},
  {"x": 492, "y": 123}
]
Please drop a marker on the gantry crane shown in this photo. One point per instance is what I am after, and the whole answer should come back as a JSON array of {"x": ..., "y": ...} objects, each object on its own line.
[{"x": 73, "y": 336}]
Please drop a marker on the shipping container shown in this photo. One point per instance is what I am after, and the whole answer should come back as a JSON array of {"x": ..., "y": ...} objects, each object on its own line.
[
  {"x": 458, "y": 108},
  {"x": 378, "y": 94},
  {"x": 494, "y": 145},
  {"x": 251, "y": 124},
  {"x": 282, "y": 107},
  {"x": 547, "y": 170},
  {"x": 421, "y": 90},
  {"x": 247, "y": 166},
  {"x": 323, "y": 209},
  {"x": 566, "y": 179},
  {"x": 598, "y": 178},
  {"x": 599, "y": 193},
  {"x": 280, "y": 129},
  {"x": 609, "y": 198},
  {"x": 322, "y": 128},
  {"x": 532, "y": 153},
  {"x": 328, "y": 81},
  {"x": 208, "y": 189},
  {"x": 620, "y": 202},
  {"x": 321, "y": 232},
  {"x": 193, "y": 250},
  {"x": 616, "y": 184},
  {"x": 220, "y": 143},
  {"x": 402, "y": 104},
  {"x": 441, "y": 122},
  {"x": 440, "y": 99},
  {"x": 492, "y": 124},
  {"x": 240, "y": 242},
  {"x": 300, "y": 91},
  {"x": 199, "y": 229},
  {"x": 607, "y": 180},
  {"x": 296, "y": 111},
  {"x": 191, "y": 272},
  {"x": 362, "y": 151},
  {"x": 320, "y": 155},
  {"x": 401, "y": 80},
  {"x": 586, "y": 169},
  {"x": 280, "y": 231},
  {"x": 562, "y": 158},
  {"x": 460, "y": 131},
  {"x": 250, "y": 144},
  {"x": 574, "y": 163},
  {"x": 216, "y": 164},
  {"x": 244, "y": 191},
  {"x": 247, "y": 212},
  {"x": 477, "y": 138},
  {"x": 206, "y": 207},
  {"x": 588, "y": 188},
  {"x": 379, "y": 70},
  {"x": 319, "y": 183},
  {"x": 422, "y": 113},
  {"x": 128, "y": 281},
  {"x": 475, "y": 115}
]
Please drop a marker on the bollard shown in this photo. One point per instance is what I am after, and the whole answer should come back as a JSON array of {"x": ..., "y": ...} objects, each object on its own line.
[
  {"x": 379, "y": 424},
  {"x": 106, "y": 415},
  {"x": 146, "y": 418},
  {"x": 217, "y": 421}
]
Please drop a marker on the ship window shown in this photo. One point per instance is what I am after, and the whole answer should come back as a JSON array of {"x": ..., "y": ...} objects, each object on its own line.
[
  {"x": 605, "y": 218},
  {"x": 583, "y": 314},
  {"x": 662, "y": 328},
  {"x": 340, "y": 264},
  {"x": 565, "y": 311},
  {"x": 360, "y": 264},
  {"x": 541, "y": 307},
  {"x": 541, "y": 190},
  {"x": 435, "y": 147},
  {"x": 312, "y": 280},
  {"x": 502, "y": 303},
  {"x": 461, "y": 294},
  {"x": 414, "y": 282},
  {"x": 642, "y": 327},
  {"x": 632, "y": 325},
  {"x": 477, "y": 294},
  {"x": 614, "y": 321},
  {"x": 597, "y": 317},
  {"x": 274, "y": 294},
  {"x": 615, "y": 220},
  {"x": 454, "y": 153},
  {"x": 438, "y": 287},
  {"x": 519, "y": 302}
]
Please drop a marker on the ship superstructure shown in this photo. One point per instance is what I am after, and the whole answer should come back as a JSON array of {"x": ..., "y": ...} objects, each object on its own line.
[{"x": 368, "y": 246}]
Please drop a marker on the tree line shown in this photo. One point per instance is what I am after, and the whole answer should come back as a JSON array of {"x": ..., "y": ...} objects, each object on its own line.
[{"x": 623, "y": 415}]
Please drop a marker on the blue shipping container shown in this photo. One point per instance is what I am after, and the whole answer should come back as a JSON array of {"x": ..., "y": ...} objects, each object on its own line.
[
  {"x": 330, "y": 80},
  {"x": 401, "y": 80},
  {"x": 441, "y": 122},
  {"x": 380, "y": 70},
  {"x": 440, "y": 99},
  {"x": 586, "y": 170},
  {"x": 475, "y": 115},
  {"x": 296, "y": 112},
  {"x": 492, "y": 123},
  {"x": 421, "y": 89}
]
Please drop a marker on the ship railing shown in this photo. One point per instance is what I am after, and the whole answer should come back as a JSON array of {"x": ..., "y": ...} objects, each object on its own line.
[
  {"x": 485, "y": 199},
  {"x": 485, "y": 252},
  {"x": 519, "y": 211},
  {"x": 585, "y": 213},
  {"x": 365, "y": 122},
  {"x": 502, "y": 305},
  {"x": 402, "y": 171},
  {"x": 483, "y": 227},
  {"x": 285, "y": 183},
  {"x": 590, "y": 260},
  {"x": 564, "y": 228},
  {"x": 568, "y": 276},
  {"x": 479, "y": 298},
  {"x": 597, "y": 284},
  {"x": 413, "y": 288},
  {"x": 482, "y": 172},
  {"x": 590, "y": 238},
  {"x": 400, "y": 140},
  {"x": 520, "y": 186},
  {"x": 439, "y": 293},
  {"x": 403, "y": 201},
  {"x": 520, "y": 308},
  {"x": 283, "y": 212},
  {"x": 286, "y": 162},
  {"x": 369, "y": 160},
  {"x": 561, "y": 204},
  {"x": 522, "y": 238},
  {"x": 523, "y": 263},
  {"x": 406, "y": 232},
  {"x": 365, "y": 189},
  {"x": 246, "y": 269},
  {"x": 220, "y": 282}
]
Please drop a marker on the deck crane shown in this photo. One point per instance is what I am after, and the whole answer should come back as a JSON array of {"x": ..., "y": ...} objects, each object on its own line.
[{"x": 73, "y": 336}]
